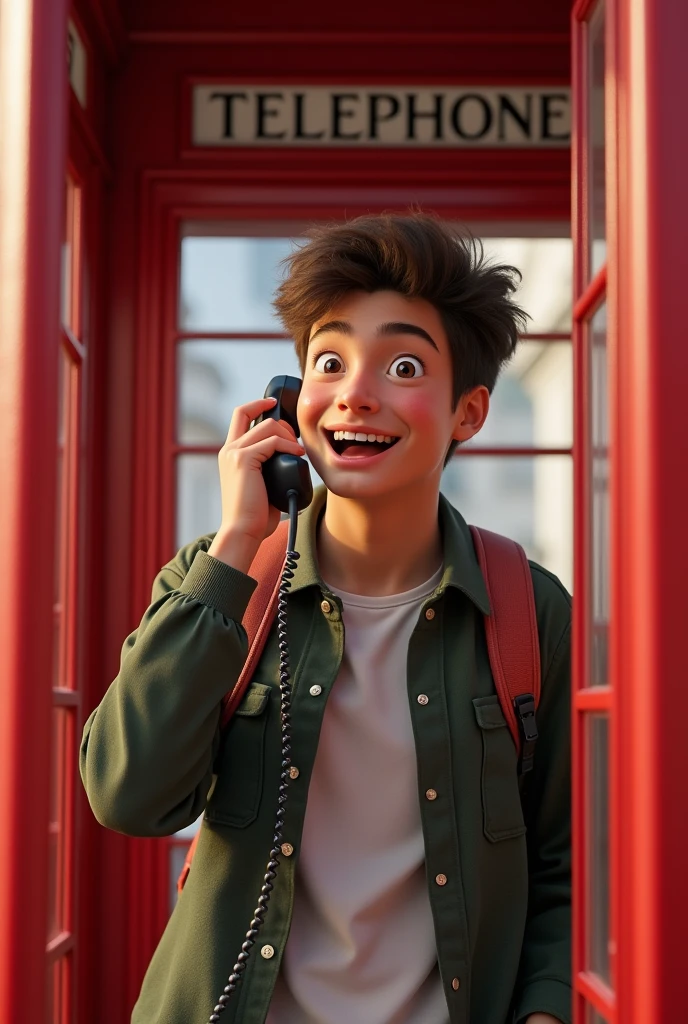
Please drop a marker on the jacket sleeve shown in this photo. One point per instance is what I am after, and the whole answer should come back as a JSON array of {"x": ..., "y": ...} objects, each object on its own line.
[
  {"x": 148, "y": 749},
  {"x": 544, "y": 982}
]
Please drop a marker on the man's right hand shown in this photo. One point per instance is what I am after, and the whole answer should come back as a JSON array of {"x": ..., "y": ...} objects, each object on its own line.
[{"x": 247, "y": 516}]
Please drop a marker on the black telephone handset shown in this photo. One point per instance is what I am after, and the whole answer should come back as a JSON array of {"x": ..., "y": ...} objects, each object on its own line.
[
  {"x": 283, "y": 472},
  {"x": 289, "y": 487}
]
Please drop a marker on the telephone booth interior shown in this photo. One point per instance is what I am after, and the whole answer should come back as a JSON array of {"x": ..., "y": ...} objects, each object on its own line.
[{"x": 141, "y": 243}]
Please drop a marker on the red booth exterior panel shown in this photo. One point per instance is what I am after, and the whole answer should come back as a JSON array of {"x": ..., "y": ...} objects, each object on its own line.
[
  {"x": 33, "y": 90},
  {"x": 651, "y": 556}
]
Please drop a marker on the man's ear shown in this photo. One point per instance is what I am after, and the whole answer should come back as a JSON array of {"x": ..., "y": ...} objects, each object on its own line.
[{"x": 471, "y": 413}]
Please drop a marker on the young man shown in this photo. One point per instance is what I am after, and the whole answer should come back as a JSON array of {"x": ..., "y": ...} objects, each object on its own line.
[{"x": 422, "y": 882}]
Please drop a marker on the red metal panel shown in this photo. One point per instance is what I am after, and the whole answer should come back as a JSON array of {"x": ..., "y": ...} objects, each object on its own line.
[
  {"x": 384, "y": 17},
  {"x": 651, "y": 549},
  {"x": 33, "y": 91}
]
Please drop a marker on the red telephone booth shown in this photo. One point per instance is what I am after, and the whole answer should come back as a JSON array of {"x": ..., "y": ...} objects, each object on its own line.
[{"x": 156, "y": 162}]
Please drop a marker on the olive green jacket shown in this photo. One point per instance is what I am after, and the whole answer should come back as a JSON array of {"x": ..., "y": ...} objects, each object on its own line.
[{"x": 152, "y": 762}]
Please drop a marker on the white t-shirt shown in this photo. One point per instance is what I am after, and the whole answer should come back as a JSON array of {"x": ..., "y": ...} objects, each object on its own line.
[{"x": 361, "y": 949}]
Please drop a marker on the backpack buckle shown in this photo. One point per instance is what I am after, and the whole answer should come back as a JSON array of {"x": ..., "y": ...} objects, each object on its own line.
[{"x": 525, "y": 710}]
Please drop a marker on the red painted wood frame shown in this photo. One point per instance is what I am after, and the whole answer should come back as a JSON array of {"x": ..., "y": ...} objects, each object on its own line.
[
  {"x": 33, "y": 92},
  {"x": 592, "y": 695},
  {"x": 646, "y": 699},
  {"x": 168, "y": 200}
]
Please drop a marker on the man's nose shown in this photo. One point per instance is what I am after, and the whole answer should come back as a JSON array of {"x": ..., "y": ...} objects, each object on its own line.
[{"x": 357, "y": 395}]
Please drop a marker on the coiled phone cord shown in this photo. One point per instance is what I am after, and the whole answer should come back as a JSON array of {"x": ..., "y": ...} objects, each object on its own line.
[{"x": 285, "y": 693}]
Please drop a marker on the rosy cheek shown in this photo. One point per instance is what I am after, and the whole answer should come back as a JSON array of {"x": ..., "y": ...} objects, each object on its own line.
[
  {"x": 308, "y": 409},
  {"x": 420, "y": 408}
]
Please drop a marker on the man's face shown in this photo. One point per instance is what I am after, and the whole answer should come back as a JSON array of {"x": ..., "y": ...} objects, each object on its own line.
[{"x": 379, "y": 364}]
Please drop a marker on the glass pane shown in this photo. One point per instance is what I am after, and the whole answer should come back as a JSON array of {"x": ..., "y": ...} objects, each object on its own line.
[
  {"x": 65, "y": 526},
  {"x": 54, "y": 992},
  {"x": 59, "y": 984},
  {"x": 58, "y": 580},
  {"x": 592, "y": 1016},
  {"x": 528, "y": 499},
  {"x": 216, "y": 376},
  {"x": 199, "y": 502},
  {"x": 596, "y": 129},
  {"x": 532, "y": 404},
  {"x": 227, "y": 283},
  {"x": 600, "y": 525},
  {"x": 598, "y": 846},
  {"x": 547, "y": 285},
  {"x": 69, "y": 291},
  {"x": 59, "y": 825}
]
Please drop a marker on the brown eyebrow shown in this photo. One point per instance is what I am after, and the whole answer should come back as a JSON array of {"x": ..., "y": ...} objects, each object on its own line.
[
  {"x": 393, "y": 327},
  {"x": 338, "y": 326},
  {"x": 398, "y": 327}
]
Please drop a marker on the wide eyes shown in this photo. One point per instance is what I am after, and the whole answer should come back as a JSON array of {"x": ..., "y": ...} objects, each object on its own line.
[
  {"x": 403, "y": 367},
  {"x": 328, "y": 362}
]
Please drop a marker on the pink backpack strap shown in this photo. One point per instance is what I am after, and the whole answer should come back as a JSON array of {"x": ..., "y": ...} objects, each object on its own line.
[
  {"x": 260, "y": 613},
  {"x": 512, "y": 636}
]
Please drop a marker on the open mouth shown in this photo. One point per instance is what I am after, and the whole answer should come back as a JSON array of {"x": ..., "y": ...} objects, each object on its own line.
[{"x": 350, "y": 445}]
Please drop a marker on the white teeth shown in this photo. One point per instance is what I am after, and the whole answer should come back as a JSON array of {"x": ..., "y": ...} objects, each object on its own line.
[{"x": 350, "y": 435}]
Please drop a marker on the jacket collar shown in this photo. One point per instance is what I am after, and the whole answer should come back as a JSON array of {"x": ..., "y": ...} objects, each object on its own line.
[{"x": 461, "y": 567}]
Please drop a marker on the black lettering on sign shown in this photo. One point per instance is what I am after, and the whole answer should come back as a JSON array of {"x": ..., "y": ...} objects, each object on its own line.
[
  {"x": 375, "y": 115},
  {"x": 300, "y": 130},
  {"x": 524, "y": 120},
  {"x": 338, "y": 113},
  {"x": 548, "y": 114},
  {"x": 263, "y": 112},
  {"x": 228, "y": 100},
  {"x": 486, "y": 115},
  {"x": 412, "y": 114}
]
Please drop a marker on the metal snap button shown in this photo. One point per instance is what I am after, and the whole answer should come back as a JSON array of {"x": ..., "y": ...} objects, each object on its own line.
[
  {"x": 431, "y": 794},
  {"x": 267, "y": 952},
  {"x": 422, "y": 698},
  {"x": 455, "y": 984},
  {"x": 325, "y": 607},
  {"x": 293, "y": 772},
  {"x": 441, "y": 879},
  {"x": 287, "y": 849},
  {"x": 430, "y": 613},
  {"x": 316, "y": 690}
]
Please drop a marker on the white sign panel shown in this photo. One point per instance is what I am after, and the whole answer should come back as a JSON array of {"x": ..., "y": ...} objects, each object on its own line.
[{"x": 351, "y": 115}]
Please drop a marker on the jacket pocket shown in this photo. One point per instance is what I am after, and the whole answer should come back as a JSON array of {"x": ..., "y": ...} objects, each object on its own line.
[
  {"x": 238, "y": 786},
  {"x": 502, "y": 811}
]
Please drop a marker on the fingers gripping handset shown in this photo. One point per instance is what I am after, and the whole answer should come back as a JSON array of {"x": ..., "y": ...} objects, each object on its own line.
[
  {"x": 260, "y": 464},
  {"x": 289, "y": 489},
  {"x": 283, "y": 472}
]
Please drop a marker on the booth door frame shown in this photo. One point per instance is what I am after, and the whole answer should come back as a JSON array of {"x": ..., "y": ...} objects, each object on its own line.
[
  {"x": 168, "y": 199},
  {"x": 646, "y": 699}
]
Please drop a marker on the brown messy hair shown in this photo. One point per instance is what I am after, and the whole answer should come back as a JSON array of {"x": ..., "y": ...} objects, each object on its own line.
[{"x": 421, "y": 257}]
